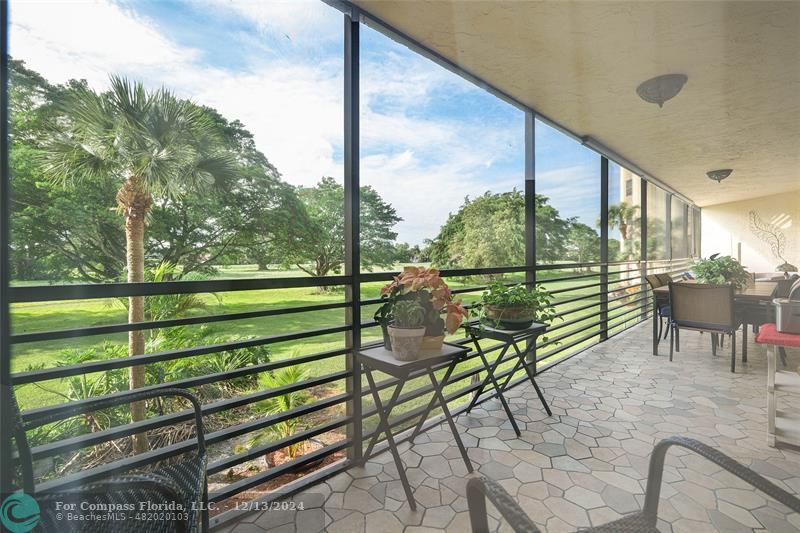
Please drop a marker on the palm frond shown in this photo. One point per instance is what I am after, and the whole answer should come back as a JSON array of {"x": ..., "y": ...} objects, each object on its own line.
[{"x": 169, "y": 144}]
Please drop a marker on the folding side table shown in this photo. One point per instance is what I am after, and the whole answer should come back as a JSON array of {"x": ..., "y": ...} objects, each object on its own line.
[
  {"x": 381, "y": 359},
  {"x": 510, "y": 339}
]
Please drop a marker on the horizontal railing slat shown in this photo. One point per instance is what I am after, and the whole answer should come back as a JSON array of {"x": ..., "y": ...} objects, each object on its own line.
[
  {"x": 21, "y": 338},
  {"x": 53, "y": 293}
]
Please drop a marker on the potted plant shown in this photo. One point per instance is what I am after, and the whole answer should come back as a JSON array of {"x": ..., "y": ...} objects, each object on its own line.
[
  {"x": 407, "y": 330},
  {"x": 516, "y": 307},
  {"x": 719, "y": 269},
  {"x": 428, "y": 289}
]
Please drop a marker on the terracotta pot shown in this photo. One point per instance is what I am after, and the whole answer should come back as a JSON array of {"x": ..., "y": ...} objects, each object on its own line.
[
  {"x": 433, "y": 344},
  {"x": 406, "y": 342},
  {"x": 510, "y": 317}
]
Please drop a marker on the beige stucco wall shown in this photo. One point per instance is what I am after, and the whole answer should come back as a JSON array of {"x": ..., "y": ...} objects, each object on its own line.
[{"x": 726, "y": 225}]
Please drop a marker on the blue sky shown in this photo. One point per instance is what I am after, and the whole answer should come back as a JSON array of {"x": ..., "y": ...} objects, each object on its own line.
[{"x": 429, "y": 138}]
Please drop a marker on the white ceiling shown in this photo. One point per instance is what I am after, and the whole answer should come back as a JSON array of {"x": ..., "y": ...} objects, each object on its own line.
[{"x": 579, "y": 63}]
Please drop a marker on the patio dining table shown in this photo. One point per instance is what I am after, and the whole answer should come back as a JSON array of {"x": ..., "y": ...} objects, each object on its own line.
[{"x": 760, "y": 293}]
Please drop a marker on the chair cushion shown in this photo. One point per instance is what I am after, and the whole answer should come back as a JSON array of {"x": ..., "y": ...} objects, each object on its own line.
[
  {"x": 665, "y": 310},
  {"x": 769, "y": 334},
  {"x": 701, "y": 326}
]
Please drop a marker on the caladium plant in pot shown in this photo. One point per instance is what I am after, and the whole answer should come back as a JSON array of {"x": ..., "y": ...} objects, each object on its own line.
[
  {"x": 425, "y": 287},
  {"x": 407, "y": 330}
]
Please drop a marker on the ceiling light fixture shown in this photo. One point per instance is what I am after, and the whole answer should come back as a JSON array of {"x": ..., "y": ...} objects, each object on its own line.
[
  {"x": 719, "y": 175},
  {"x": 661, "y": 88}
]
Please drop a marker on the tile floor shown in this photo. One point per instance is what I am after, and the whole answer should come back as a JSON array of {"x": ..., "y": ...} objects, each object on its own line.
[{"x": 587, "y": 464}]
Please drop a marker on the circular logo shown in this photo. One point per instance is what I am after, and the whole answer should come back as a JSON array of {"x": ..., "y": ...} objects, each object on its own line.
[{"x": 19, "y": 513}]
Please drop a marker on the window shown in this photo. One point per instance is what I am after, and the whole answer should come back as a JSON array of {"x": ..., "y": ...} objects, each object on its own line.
[
  {"x": 445, "y": 157},
  {"x": 656, "y": 223},
  {"x": 679, "y": 212},
  {"x": 250, "y": 97},
  {"x": 567, "y": 199},
  {"x": 624, "y": 232}
]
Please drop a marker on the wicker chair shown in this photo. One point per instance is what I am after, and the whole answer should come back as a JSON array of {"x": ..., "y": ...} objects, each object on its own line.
[
  {"x": 703, "y": 307},
  {"x": 664, "y": 278},
  {"x": 481, "y": 488},
  {"x": 183, "y": 481},
  {"x": 662, "y": 303}
]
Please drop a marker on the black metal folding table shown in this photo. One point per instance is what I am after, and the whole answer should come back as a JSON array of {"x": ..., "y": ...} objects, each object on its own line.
[
  {"x": 382, "y": 360},
  {"x": 525, "y": 358}
]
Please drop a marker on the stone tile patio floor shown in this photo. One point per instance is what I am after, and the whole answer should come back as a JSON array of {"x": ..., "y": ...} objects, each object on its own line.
[{"x": 587, "y": 464}]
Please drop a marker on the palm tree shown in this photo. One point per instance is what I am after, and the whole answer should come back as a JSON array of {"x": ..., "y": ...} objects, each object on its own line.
[
  {"x": 622, "y": 216},
  {"x": 151, "y": 145}
]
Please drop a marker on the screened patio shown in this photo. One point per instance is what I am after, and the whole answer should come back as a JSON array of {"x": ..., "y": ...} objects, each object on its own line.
[{"x": 597, "y": 190}]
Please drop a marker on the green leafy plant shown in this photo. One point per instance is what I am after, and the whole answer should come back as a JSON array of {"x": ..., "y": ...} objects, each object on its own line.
[
  {"x": 218, "y": 363},
  {"x": 719, "y": 269},
  {"x": 537, "y": 302},
  {"x": 290, "y": 375},
  {"x": 408, "y": 314},
  {"x": 86, "y": 386}
]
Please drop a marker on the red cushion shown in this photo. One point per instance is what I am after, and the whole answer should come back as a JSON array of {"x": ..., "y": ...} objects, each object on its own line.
[{"x": 769, "y": 334}]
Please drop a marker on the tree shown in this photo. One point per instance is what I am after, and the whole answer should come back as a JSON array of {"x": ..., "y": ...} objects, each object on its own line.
[
  {"x": 150, "y": 145},
  {"x": 320, "y": 248},
  {"x": 583, "y": 243},
  {"x": 625, "y": 217},
  {"x": 490, "y": 230},
  {"x": 551, "y": 231},
  {"x": 622, "y": 216},
  {"x": 405, "y": 253}
]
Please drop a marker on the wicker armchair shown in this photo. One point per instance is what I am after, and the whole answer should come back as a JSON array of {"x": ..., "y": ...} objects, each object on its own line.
[
  {"x": 480, "y": 489},
  {"x": 183, "y": 482},
  {"x": 664, "y": 279},
  {"x": 703, "y": 307}
]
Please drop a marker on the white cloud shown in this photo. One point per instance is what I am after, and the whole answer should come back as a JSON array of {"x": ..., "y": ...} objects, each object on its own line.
[
  {"x": 295, "y": 112},
  {"x": 292, "y": 104},
  {"x": 301, "y": 21},
  {"x": 89, "y": 39}
]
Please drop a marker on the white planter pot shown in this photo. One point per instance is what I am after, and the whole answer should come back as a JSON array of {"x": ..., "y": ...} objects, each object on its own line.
[{"x": 406, "y": 342}]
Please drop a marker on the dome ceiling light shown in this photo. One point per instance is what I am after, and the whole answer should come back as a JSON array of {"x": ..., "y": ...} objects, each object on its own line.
[
  {"x": 661, "y": 88},
  {"x": 719, "y": 175}
]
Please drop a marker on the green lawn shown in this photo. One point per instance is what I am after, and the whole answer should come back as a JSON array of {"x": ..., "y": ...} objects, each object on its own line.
[{"x": 81, "y": 313}]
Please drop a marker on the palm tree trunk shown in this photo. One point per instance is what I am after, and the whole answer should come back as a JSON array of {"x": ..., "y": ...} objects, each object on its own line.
[
  {"x": 135, "y": 203},
  {"x": 134, "y": 236}
]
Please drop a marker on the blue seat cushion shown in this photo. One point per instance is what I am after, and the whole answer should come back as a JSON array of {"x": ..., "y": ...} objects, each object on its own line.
[{"x": 665, "y": 310}]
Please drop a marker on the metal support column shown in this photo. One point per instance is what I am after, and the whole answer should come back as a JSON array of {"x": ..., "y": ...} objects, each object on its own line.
[
  {"x": 352, "y": 230},
  {"x": 668, "y": 230},
  {"x": 685, "y": 236},
  {"x": 643, "y": 240},
  {"x": 530, "y": 201},
  {"x": 6, "y": 468},
  {"x": 603, "y": 248}
]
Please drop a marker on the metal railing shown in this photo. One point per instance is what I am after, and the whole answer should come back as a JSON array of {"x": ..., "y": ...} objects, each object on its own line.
[{"x": 585, "y": 319}]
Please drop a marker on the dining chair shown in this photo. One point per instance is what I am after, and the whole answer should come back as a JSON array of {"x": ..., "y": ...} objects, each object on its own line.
[
  {"x": 703, "y": 307},
  {"x": 664, "y": 278},
  {"x": 663, "y": 305}
]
